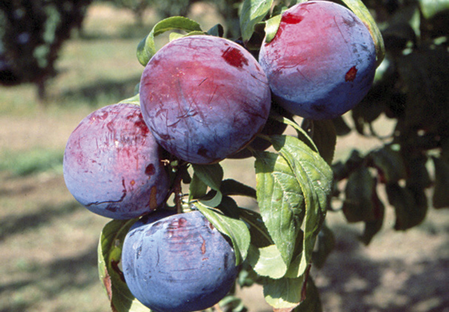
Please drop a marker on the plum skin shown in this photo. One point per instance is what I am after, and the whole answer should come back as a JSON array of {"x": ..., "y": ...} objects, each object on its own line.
[
  {"x": 177, "y": 263},
  {"x": 204, "y": 98},
  {"x": 321, "y": 62},
  {"x": 112, "y": 164}
]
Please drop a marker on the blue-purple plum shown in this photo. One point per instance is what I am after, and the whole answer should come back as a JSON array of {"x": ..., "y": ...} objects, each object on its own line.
[
  {"x": 321, "y": 62},
  {"x": 204, "y": 98},
  {"x": 271, "y": 127},
  {"x": 112, "y": 164},
  {"x": 177, "y": 263}
]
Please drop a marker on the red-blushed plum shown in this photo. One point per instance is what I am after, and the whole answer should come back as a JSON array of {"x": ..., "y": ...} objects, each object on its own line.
[
  {"x": 271, "y": 127},
  {"x": 204, "y": 98},
  {"x": 112, "y": 164},
  {"x": 321, "y": 62},
  {"x": 177, "y": 263}
]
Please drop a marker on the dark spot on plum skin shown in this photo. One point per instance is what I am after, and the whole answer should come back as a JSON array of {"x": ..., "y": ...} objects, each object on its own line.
[
  {"x": 234, "y": 57},
  {"x": 226, "y": 261},
  {"x": 350, "y": 75},
  {"x": 290, "y": 18},
  {"x": 150, "y": 170},
  {"x": 111, "y": 207},
  {"x": 319, "y": 107},
  {"x": 203, "y": 246},
  {"x": 203, "y": 152}
]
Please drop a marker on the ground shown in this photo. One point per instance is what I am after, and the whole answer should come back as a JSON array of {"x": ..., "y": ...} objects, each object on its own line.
[{"x": 48, "y": 242}]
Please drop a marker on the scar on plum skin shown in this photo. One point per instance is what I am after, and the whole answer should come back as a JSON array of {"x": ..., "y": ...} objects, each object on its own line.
[
  {"x": 111, "y": 201},
  {"x": 351, "y": 74}
]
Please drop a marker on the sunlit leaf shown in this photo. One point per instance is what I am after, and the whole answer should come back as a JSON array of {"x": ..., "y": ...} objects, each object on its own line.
[
  {"x": 109, "y": 257},
  {"x": 315, "y": 178},
  {"x": 271, "y": 27},
  {"x": 267, "y": 261},
  {"x": 147, "y": 48},
  {"x": 283, "y": 294},
  {"x": 280, "y": 200},
  {"x": 252, "y": 12},
  {"x": 259, "y": 233},
  {"x": 430, "y": 8}
]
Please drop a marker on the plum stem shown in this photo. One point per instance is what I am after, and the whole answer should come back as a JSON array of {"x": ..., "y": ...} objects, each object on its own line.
[{"x": 178, "y": 192}]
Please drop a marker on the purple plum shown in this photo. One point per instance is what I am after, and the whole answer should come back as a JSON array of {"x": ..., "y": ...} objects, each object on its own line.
[
  {"x": 112, "y": 164},
  {"x": 321, "y": 62},
  {"x": 177, "y": 263},
  {"x": 204, "y": 98}
]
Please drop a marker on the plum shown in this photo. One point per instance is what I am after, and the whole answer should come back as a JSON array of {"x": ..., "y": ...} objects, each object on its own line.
[
  {"x": 204, "y": 98},
  {"x": 112, "y": 164},
  {"x": 271, "y": 127},
  {"x": 321, "y": 62},
  {"x": 177, "y": 263}
]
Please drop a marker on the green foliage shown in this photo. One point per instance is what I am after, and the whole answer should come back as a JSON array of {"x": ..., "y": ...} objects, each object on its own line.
[
  {"x": 111, "y": 277},
  {"x": 410, "y": 89}
]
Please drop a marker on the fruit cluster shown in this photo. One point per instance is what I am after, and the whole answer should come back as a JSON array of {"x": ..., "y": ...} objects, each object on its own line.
[{"x": 203, "y": 99}]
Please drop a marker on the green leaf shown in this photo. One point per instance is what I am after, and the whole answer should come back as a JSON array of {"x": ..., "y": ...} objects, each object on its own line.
[
  {"x": 146, "y": 48},
  {"x": 374, "y": 226},
  {"x": 341, "y": 127},
  {"x": 325, "y": 245},
  {"x": 267, "y": 261},
  {"x": 132, "y": 100},
  {"x": 440, "y": 197},
  {"x": 281, "y": 202},
  {"x": 363, "y": 13},
  {"x": 216, "y": 30},
  {"x": 430, "y": 8},
  {"x": 358, "y": 205},
  {"x": 283, "y": 294},
  {"x": 235, "y": 229},
  {"x": 312, "y": 303},
  {"x": 231, "y": 187},
  {"x": 109, "y": 257},
  {"x": 271, "y": 27},
  {"x": 389, "y": 163},
  {"x": 325, "y": 137},
  {"x": 409, "y": 208},
  {"x": 252, "y": 12},
  {"x": 211, "y": 175},
  {"x": 231, "y": 303},
  {"x": 215, "y": 201},
  {"x": 302, "y": 134},
  {"x": 259, "y": 233},
  {"x": 197, "y": 188},
  {"x": 315, "y": 178}
]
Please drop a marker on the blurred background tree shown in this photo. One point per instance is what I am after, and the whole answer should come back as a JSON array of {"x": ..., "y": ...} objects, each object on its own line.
[{"x": 31, "y": 35}]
